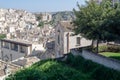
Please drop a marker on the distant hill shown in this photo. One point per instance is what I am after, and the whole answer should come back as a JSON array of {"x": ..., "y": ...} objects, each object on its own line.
[
  {"x": 60, "y": 16},
  {"x": 64, "y": 15}
]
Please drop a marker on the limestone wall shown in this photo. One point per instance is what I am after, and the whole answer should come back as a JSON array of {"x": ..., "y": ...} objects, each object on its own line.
[{"x": 108, "y": 62}]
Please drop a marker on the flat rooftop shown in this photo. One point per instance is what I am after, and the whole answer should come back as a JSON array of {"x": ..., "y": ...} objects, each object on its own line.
[{"x": 17, "y": 41}]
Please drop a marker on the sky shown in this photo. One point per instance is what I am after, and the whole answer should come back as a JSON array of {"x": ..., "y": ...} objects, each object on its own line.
[{"x": 41, "y": 5}]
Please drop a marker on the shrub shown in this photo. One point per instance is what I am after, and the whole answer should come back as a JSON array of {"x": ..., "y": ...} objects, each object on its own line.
[
  {"x": 89, "y": 66},
  {"x": 2, "y": 36},
  {"x": 28, "y": 74},
  {"x": 95, "y": 71},
  {"x": 103, "y": 48},
  {"x": 109, "y": 48},
  {"x": 48, "y": 70},
  {"x": 70, "y": 60},
  {"x": 103, "y": 73},
  {"x": 113, "y": 48},
  {"x": 74, "y": 68}
]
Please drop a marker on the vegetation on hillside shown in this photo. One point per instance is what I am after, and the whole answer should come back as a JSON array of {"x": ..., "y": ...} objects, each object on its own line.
[
  {"x": 73, "y": 68},
  {"x": 63, "y": 16},
  {"x": 58, "y": 16},
  {"x": 94, "y": 70},
  {"x": 2, "y": 36},
  {"x": 48, "y": 70},
  {"x": 109, "y": 48}
]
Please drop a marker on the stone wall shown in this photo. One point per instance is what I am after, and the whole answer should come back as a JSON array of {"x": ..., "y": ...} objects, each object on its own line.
[{"x": 108, "y": 62}]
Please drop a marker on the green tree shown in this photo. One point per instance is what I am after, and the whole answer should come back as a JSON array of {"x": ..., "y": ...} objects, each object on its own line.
[
  {"x": 2, "y": 36},
  {"x": 41, "y": 24},
  {"x": 113, "y": 23},
  {"x": 92, "y": 21}
]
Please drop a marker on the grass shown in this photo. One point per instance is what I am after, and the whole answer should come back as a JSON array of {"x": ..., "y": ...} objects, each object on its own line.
[
  {"x": 73, "y": 68},
  {"x": 111, "y": 55},
  {"x": 49, "y": 70}
]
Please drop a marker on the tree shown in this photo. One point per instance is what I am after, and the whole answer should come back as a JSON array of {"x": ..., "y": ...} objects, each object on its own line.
[
  {"x": 2, "y": 36},
  {"x": 41, "y": 24},
  {"x": 92, "y": 21},
  {"x": 113, "y": 23}
]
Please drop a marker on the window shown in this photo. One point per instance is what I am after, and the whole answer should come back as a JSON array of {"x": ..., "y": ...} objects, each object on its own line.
[
  {"x": 2, "y": 44},
  {"x": 22, "y": 49},
  {"x": 58, "y": 39},
  {"x": 58, "y": 36},
  {"x": 78, "y": 41},
  {"x": 14, "y": 47},
  {"x": 6, "y": 45}
]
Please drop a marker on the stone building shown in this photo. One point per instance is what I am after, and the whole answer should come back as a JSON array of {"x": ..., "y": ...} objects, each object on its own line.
[
  {"x": 46, "y": 17},
  {"x": 66, "y": 40},
  {"x": 12, "y": 49}
]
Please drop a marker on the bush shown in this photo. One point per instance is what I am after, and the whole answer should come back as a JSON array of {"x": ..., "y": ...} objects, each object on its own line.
[
  {"x": 103, "y": 48},
  {"x": 48, "y": 70},
  {"x": 2, "y": 36},
  {"x": 74, "y": 68},
  {"x": 109, "y": 48},
  {"x": 88, "y": 66},
  {"x": 95, "y": 71},
  {"x": 113, "y": 48},
  {"x": 28, "y": 74},
  {"x": 103, "y": 73},
  {"x": 74, "y": 61}
]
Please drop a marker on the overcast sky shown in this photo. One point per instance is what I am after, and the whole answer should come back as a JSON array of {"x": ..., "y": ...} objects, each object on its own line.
[{"x": 41, "y": 5}]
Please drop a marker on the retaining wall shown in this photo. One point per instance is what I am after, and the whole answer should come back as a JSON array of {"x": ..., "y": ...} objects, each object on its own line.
[{"x": 108, "y": 62}]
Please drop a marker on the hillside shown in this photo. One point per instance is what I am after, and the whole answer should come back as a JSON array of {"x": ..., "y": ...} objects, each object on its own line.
[
  {"x": 15, "y": 18},
  {"x": 64, "y": 15},
  {"x": 49, "y": 70},
  {"x": 59, "y": 16},
  {"x": 74, "y": 68}
]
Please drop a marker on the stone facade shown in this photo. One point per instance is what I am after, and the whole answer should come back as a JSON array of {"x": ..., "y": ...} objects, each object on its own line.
[
  {"x": 46, "y": 17},
  {"x": 14, "y": 49},
  {"x": 66, "y": 40}
]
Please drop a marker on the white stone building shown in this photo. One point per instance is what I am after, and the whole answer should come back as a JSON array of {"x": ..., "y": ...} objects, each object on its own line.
[
  {"x": 12, "y": 49},
  {"x": 66, "y": 40},
  {"x": 46, "y": 17},
  {"x": 18, "y": 18}
]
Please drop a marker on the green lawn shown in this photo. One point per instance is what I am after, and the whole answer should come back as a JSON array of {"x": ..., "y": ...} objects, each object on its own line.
[{"x": 111, "y": 55}]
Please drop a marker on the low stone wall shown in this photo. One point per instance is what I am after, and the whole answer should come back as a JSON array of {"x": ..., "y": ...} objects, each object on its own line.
[{"x": 108, "y": 62}]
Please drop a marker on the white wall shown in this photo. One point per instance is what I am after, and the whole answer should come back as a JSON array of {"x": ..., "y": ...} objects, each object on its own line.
[
  {"x": 7, "y": 53},
  {"x": 73, "y": 41},
  {"x": 101, "y": 60},
  {"x": 37, "y": 48},
  {"x": 108, "y": 62},
  {"x": 11, "y": 29}
]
